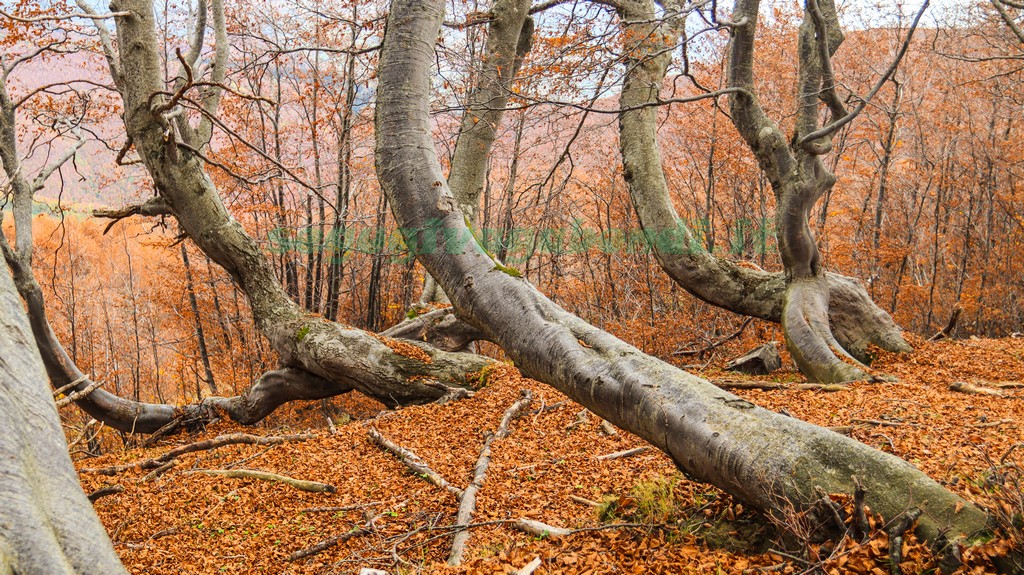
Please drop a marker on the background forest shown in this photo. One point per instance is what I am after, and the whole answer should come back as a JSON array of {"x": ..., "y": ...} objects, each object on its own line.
[{"x": 925, "y": 210}]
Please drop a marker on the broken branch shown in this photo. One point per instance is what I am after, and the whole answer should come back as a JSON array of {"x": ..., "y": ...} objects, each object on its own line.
[
  {"x": 300, "y": 484},
  {"x": 413, "y": 462},
  {"x": 467, "y": 503}
]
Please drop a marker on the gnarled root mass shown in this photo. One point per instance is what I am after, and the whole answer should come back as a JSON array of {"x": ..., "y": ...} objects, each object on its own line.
[{"x": 810, "y": 340}]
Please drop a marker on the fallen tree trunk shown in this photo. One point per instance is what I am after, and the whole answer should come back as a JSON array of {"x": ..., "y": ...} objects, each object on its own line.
[{"x": 757, "y": 456}]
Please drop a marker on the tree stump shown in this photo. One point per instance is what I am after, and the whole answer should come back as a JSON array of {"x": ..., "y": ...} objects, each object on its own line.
[{"x": 759, "y": 361}]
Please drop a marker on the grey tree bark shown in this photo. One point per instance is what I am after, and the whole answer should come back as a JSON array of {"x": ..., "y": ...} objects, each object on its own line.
[
  {"x": 758, "y": 456},
  {"x": 852, "y": 318},
  {"x": 47, "y": 525},
  {"x": 509, "y": 39},
  {"x": 319, "y": 358},
  {"x": 799, "y": 178}
]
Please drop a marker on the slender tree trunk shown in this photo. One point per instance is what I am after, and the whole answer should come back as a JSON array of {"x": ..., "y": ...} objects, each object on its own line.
[
  {"x": 318, "y": 357},
  {"x": 204, "y": 354}
]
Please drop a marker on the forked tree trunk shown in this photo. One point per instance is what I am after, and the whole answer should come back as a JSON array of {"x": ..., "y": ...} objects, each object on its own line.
[
  {"x": 760, "y": 457},
  {"x": 47, "y": 526},
  {"x": 799, "y": 178},
  {"x": 855, "y": 320}
]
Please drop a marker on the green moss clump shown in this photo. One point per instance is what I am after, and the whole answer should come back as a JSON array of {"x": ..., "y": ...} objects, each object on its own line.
[
  {"x": 302, "y": 333},
  {"x": 508, "y": 270}
]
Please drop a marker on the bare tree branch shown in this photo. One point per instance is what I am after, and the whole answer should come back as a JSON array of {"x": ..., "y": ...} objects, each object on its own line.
[
  {"x": 838, "y": 124},
  {"x": 1000, "y": 6},
  {"x": 86, "y": 15}
]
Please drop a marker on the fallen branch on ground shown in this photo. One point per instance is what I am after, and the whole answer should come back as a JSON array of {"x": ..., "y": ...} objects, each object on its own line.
[
  {"x": 964, "y": 387},
  {"x": 413, "y": 462},
  {"x": 711, "y": 346},
  {"x": 300, "y": 484},
  {"x": 216, "y": 442},
  {"x": 105, "y": 491},
  {"x": 327, "y": 544},
  {"x": 747, "y": 384},
  {"x": 467, "y": 503},
  {"x": 539, "y": 529},
  {"x": 584, "y": 501},
  {"x": 530, "y": 567},
  {"x": 621, "y": 454},
  {"x": 158, "y": 471},
  {"x": 990, "y": 423},
  {"x": 829, "y": 387}
]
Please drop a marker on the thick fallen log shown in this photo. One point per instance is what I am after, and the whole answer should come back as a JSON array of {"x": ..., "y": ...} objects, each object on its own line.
[{"x": 105, "y": 491}]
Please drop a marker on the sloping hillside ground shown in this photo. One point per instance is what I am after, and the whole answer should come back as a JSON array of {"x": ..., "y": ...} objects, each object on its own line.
[{"x": 389, "y": 518}]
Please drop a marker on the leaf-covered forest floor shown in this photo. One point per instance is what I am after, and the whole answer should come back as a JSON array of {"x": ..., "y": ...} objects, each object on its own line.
[{"x": 545, "y": 470}]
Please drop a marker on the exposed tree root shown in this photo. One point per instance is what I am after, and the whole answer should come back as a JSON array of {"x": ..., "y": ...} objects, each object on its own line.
[{"x": 809, "y": 338}]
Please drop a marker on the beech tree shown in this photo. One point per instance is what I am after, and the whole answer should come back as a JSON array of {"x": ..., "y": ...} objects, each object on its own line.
[
  {"x": 824, "y": 316},
  {"x": 760, "y": 457}
]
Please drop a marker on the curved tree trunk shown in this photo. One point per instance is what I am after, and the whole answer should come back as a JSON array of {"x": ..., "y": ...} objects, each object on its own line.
[
  {"x": 509, "y": 39},
  {"x": 320, "y": 358},
  {"x": 758, "y": 456},
  {"x": 47, "y": 526},
  {"x": 855, "y": 320},
  {"x": 799, "y": 178}
]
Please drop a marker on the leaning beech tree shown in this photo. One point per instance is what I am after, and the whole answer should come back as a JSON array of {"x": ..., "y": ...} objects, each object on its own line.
[
  {"x": 319, "y": 358},
  {"x": 47, "y": 526},
  {"x": 758, "y": 456},
  {"x": 823, "y": 315}
]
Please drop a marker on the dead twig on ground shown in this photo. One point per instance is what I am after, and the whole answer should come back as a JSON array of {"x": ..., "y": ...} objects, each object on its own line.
[
  {"x": 413, "y": 462},
  {"x": 300, "y": 484},
  {"x": 964, "y": 387},
  {"x": 105, "y": 491},
  {"x": 467, "y": 503},
  {"x": 624, "y": 453},
  {"x": 206, "y": 445}
]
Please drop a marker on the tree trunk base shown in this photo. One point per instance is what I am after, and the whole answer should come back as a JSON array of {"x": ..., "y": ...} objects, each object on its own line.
[{"x": 809, "y": 338}]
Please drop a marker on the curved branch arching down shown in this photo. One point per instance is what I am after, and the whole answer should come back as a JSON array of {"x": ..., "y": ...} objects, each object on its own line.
[
  {"x": 319, "y": 358},
  {"x": 759, "y": 457},
  {"x": 856, "y": 322}
]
